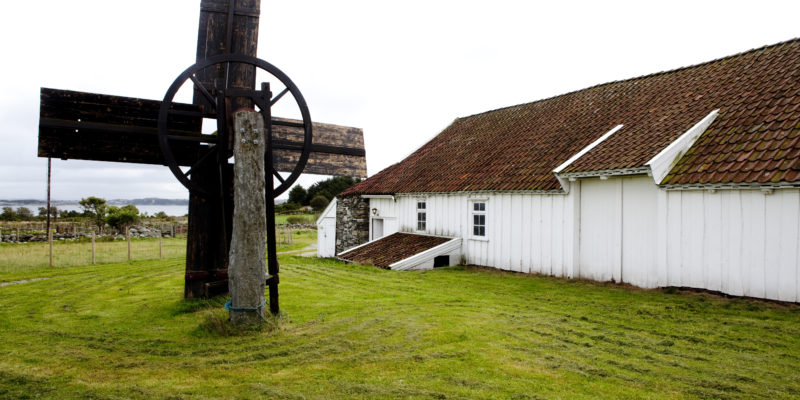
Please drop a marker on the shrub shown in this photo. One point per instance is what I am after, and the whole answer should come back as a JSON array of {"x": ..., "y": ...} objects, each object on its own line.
[{"x": 296, "y": 220}]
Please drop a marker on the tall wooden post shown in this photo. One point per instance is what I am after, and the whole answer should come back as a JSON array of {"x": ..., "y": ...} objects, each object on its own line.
[
  {"x": 160, "y": 235},
  {"x": 247, "y": 266},
  {"x": 50, "y": 240},
  {"x": 226, "y": 27},
  {"x": 49, "y": 169}
]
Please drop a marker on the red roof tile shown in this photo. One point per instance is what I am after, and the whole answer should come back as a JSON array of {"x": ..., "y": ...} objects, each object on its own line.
[
  {"x": 516, "y": 148},
  {"x": 391, "y": 249}
]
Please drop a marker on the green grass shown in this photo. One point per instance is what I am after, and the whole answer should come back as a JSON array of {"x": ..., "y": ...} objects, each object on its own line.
[
  {"x": 36, "y": 255},
  {"x": 311, "y": 219},
  {"x": 124, "y": 331}
]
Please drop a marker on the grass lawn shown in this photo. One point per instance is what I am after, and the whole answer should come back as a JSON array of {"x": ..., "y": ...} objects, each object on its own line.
[
  {"x": 283, "y": 219},
  {"x": 124, "y": 331},
  {"x": 35, "y": 255}
]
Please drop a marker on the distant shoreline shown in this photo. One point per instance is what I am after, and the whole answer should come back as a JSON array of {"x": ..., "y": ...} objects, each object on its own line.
[{"x": 150, "y": 201}]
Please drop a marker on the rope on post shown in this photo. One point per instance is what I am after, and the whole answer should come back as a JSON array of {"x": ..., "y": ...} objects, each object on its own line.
[{"x": 229, "y": 306}]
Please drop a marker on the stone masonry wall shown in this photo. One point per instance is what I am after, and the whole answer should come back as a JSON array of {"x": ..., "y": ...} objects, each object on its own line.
[{"x": 352, "y": 222}]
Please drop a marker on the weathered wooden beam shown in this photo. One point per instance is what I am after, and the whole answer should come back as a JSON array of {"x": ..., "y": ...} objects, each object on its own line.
[
  {"x": 227, "y": 27},
  {"x": 89, "y": 126}
]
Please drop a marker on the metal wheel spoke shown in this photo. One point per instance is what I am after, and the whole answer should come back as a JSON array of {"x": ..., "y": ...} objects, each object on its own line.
[
  {"x": 278, "y": 97},
  {"x": 277, "y": 175},
  {"x": 203, "y": 90}
]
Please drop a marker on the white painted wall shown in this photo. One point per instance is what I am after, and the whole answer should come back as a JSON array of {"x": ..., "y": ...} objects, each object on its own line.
[
  {"x": 740, "y": 242},
  {"x": 525, "y": 232},
  {"x": 387, "y": 211},
  {"x": 326, "y": 231}
]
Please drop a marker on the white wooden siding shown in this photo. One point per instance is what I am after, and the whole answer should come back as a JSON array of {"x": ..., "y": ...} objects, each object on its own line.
[
  {"x": 524, "y": 232},
  {"x": 741, "y": 242}
]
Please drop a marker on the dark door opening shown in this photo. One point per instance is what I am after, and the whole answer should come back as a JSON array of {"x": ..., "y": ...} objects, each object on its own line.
[{"x": 441, "y": 261}]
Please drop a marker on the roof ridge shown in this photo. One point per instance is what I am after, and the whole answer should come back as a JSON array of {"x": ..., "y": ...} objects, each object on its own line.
[{"x": 674, "y": 70}]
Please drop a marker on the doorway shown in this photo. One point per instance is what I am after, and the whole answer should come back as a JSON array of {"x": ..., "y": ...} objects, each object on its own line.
[{"x": 377, "y": 228}]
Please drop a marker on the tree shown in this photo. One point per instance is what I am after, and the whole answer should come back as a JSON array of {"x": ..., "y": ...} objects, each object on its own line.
[
  {"x": 53, "y": 212},
  {"x": 24, "y": 214},
  {"x": 298, "y": 195},
  {"x": 330, "y": 187},
  {"x": 68, "y": 214},
  {"x": 319, "y": 203},
  {"x": 8, "y": 214},
  {"x": 95, "y": 208},
  {"x": 122, "y": 217}
]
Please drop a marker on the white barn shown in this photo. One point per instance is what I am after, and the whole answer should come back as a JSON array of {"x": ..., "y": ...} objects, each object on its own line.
[{"x": 687, "y": 178}]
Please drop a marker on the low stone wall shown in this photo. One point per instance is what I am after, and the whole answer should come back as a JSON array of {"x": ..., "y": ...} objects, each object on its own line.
[
  {"x": 135, "y": 232},
  {"x": 352, "y": 222}
]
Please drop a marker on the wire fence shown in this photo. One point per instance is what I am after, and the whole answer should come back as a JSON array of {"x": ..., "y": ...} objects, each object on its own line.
[{"x": 24, "y": 246}]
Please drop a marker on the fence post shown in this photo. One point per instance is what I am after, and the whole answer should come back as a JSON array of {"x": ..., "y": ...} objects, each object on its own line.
[
  {"x": 160, "y": 254},
  {"x": 128, "y": 238},
  {"x": 50, "y": 239},
  {"x": 92, "y": 247},
  {"x": 18, "y": 234}
]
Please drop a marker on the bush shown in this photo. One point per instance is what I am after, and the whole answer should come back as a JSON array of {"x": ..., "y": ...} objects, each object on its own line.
[
  {"x": 122, "y": 217},
  {"x": 319, "y": 203},
  {"x": 296, "y": 220}
]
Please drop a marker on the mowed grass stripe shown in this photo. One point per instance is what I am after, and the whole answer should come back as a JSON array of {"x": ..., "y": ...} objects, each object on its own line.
[{"x": 123, "y": 330}]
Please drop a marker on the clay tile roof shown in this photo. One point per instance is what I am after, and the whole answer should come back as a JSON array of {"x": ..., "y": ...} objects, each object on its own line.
[
  {"x": 516, "y": 148},
  {"x": 391, "y": 249}
]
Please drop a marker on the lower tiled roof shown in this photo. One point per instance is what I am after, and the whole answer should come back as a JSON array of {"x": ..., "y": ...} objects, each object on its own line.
[
  {"x": 754, "y": 139},
  {"x": 391, "y": 249}
]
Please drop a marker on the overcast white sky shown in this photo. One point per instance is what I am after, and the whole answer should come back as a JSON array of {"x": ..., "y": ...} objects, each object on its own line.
[{"x": 402, "y": 71}]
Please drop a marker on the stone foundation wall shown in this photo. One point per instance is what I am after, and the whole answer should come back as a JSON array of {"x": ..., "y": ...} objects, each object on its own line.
[{"x": 352, "y": 222}]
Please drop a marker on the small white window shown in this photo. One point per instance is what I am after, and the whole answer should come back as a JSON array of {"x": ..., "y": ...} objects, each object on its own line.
[
  {"x": 422, "y": 216},
  {"x": 478, "y": 214}
]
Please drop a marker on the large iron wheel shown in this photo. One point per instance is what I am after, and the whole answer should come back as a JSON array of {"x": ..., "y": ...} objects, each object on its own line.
[{"x": 215, "y": 148}]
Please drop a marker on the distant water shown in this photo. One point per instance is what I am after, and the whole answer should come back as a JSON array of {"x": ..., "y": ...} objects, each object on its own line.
[{"x": 171, "y": 210}]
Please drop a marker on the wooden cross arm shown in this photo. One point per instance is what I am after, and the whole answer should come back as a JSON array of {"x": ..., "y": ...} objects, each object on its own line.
[{"x": 90, "y": 126}]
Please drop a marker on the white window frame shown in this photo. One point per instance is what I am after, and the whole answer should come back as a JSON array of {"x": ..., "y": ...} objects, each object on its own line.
[
  {"x": 423, "y": 211},
  {"x": 472, "y": 213}
]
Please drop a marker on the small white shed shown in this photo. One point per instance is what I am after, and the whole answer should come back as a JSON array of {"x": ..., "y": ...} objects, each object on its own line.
[{"x": 326, "y": 231}]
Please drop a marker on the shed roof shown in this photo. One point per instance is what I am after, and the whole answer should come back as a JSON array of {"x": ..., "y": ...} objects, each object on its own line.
[
  {"x": 754, "y": 139},
  {"x": 391, "y": 249}
]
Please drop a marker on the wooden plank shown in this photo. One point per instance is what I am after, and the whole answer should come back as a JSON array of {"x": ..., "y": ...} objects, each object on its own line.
[
  {"x": 526, "y": 228},
  {"x": 790, "y": 245},
  {"x": 712, "y": 253},
  {"x": 218, "y": 35},
  {"x": 90, "y": 126},
  {"x": 674, "y": 235},
  {"x": 774, "y": 231}
]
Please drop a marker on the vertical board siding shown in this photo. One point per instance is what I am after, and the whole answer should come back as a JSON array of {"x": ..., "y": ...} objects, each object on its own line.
[
  {"x": 526, "y": 232},
  {"x": 712, "y": 240},
  {"x": 740, "y": 242},
  {"x": 788, "y": 257},
  {"x": 638, "y": 242},
  {"x": 600, "y": 206},
  {"x": 673, "y": 231}
]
